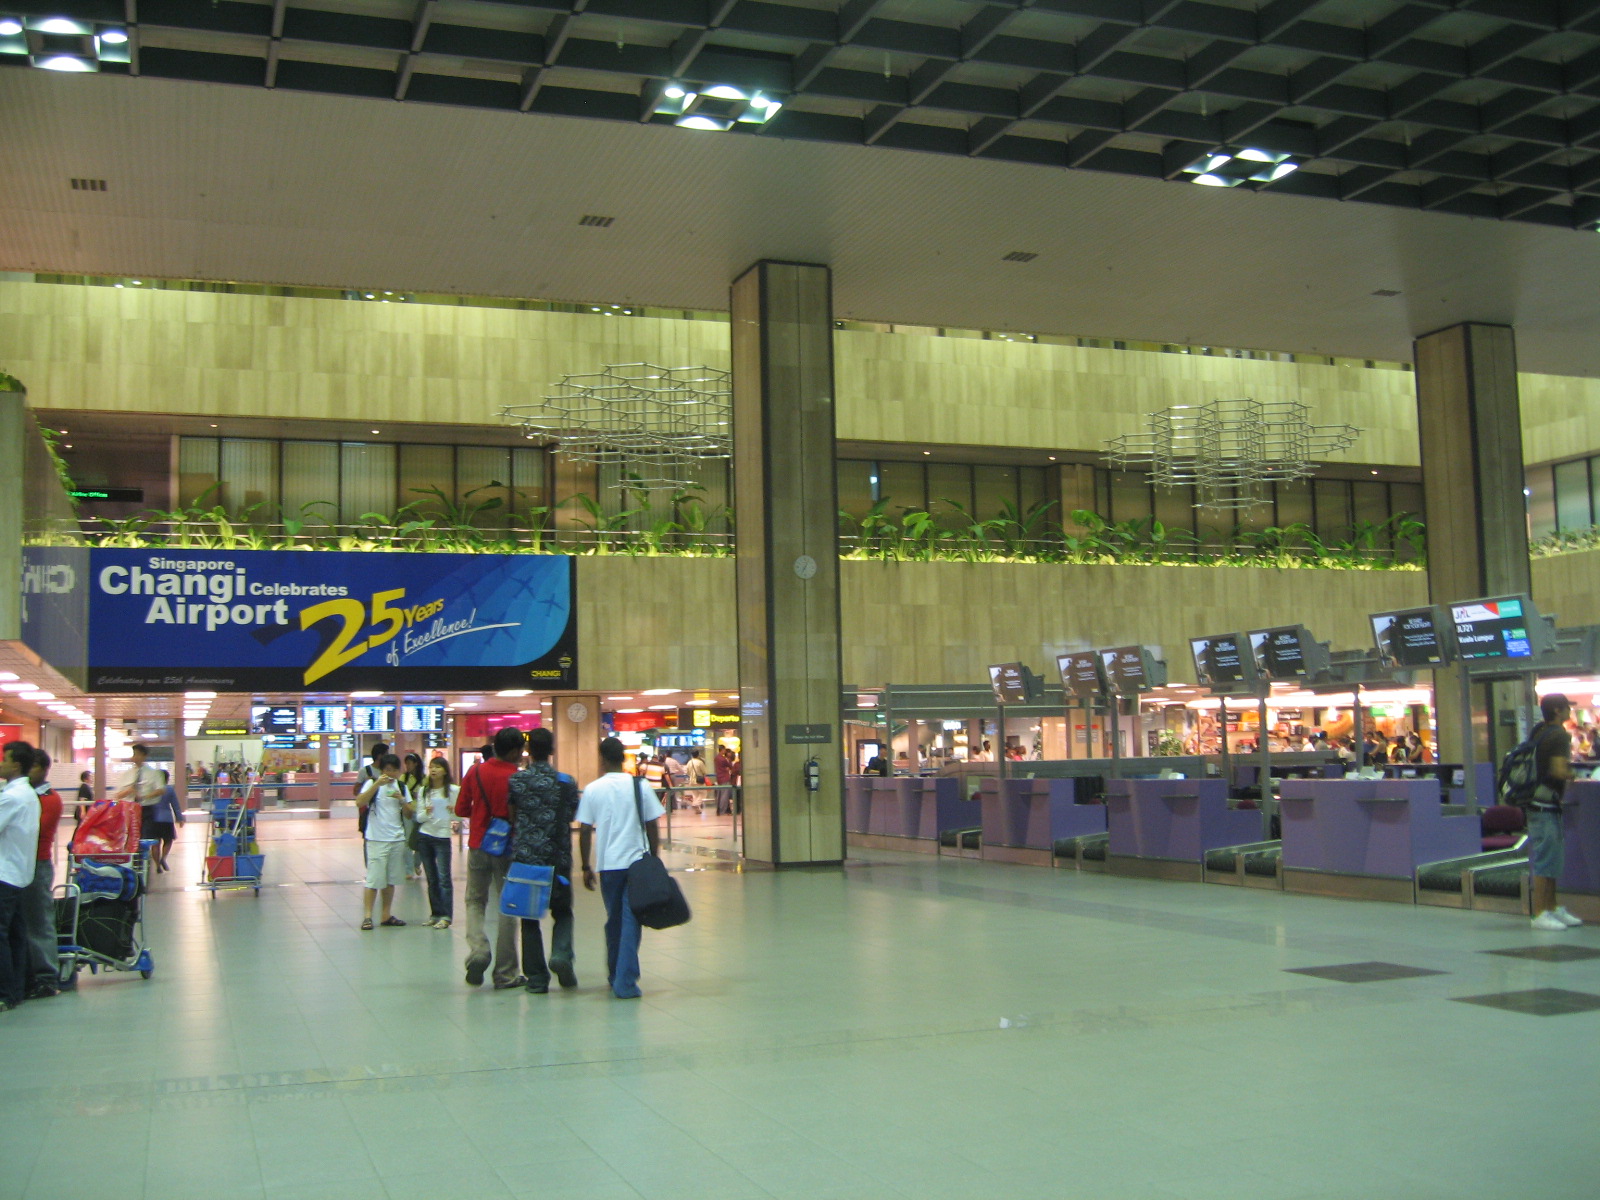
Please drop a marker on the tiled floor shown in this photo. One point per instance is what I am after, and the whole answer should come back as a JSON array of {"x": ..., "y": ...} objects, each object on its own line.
[{"x": 908, "y": 1027}]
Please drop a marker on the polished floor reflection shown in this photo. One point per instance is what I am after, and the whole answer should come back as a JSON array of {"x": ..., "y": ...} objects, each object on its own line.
[{"x": 906, "y": 1027}]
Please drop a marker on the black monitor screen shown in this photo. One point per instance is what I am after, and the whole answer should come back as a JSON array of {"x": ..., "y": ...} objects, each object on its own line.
[
  {"x": 1408, "y": 639},
  {"x": 421, "y": 718},
  {"x": 1081, "y": 673},
  {"x": 1491, "y": 629},
  {"x": 274, "y": 718},
  {"x": 1220, "y": 660},
  {"x": 326, "y": 718},
  {"x": 1279, "y": 653},
  {"x": 372, "y": 718},
  {"x": 1125, "y": 670}
]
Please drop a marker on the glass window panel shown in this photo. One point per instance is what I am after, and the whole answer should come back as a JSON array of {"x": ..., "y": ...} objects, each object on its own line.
[
  {"x": 197, "y": 469},
  {"x": 714, "y": 478},
  {"x": 477, "y": 467},
  {"x": 1033, "y": 487},
  {"x": 902, "y": 484},
  {"x": 1541, "y": 502},
  {"x": 528, "y": 485},
  {"x": 1175, "y": 511},
  {"x": 1294, "y": 503},
  {"x": 426, "y": 467},
  {"x": 992, "y": 488},
  {"x": 1130, "y": 496},
  {"x": 855, "y": 486},
  {"x": 311, "y": 482},
  {"x": 1371, "y": 502},
  {"x": 1572, "y": 495},
  {"x": 1594, "y": 491},
  {"x": 949, "y": 482},
  {"x": 250, "y": 478},
  {"x": 1405, "y": 499},
  {"x": 366, "y": 480},
  {"x": 1332, "y": 498}
]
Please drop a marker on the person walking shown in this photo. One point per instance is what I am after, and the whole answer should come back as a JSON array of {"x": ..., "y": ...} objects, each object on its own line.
[
  {"x": 388, "y": 804},
  {"x": 618, "y": 819},
  {"x": 19, "y": 854},
  {"x": 436, "y": 806},
  {"x": 166, "y": 816},
  {"x": 143, "y": 786},
  {"x": 85, "y": 799},
  {"x": 483, "y": 799},
  {"x": 1546, "y": 841},
  {"x": 543, "y": 802},
  {"x": 38, "y": 904},
  {"x": 696, "y": 778},
  {"x": 415, "y": 780}
]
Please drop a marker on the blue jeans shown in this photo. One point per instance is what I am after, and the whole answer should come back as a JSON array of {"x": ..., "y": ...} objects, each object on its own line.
[
  {"x": 435, "y": 855},
  {"x": 622, "y": 936}
]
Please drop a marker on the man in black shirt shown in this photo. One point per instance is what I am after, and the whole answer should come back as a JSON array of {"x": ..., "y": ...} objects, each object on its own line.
[{"x": 1553, "y": 762}]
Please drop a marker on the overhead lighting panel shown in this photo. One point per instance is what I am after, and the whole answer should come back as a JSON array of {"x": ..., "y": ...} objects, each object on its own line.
[
  {"x": 1228, "y": 168},
  {"x": 56, "y": 43},
  {"x": 714, "y": 106}
]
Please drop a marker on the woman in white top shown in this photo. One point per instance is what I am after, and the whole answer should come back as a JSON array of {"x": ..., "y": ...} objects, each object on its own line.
[{"x": 435, "y": 823}]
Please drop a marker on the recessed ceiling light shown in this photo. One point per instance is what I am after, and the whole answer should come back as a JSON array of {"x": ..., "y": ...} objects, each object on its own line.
[
  {"x": 10, "y": 27},
  {"x": 659, "y": 691},
  {"x": 719, "y": 124},
  {"x": 516, "y": 692},
  {"x": 201, "y": 695},
  {"x": 113, "y": 37},
  {"x": 364, "y": 695},
  {"x": 662, "y": 707},
  {"x": 630, "y": 710},
  {"x": 37, "y": 695},
  {"x": 65, "y": 62},
  {"x": 62, "y": 25},
  {"x": 11, "y": 675},
  {"x": 374, "y": 431}
]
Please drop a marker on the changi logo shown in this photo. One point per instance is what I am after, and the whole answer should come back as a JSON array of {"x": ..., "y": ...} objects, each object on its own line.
[{"x": 56, "y": 580}]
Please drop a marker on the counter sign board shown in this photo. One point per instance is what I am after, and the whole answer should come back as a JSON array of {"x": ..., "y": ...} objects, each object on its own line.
[
  {"x": 1507, "y": 627},
  {"x": 1131, "y": 670},
  {"x": 1412, "y": 637},
  {"x": 1013, "y": 683},
  {"x": 1288, "y": 652},
  {"x": 290, "y": 621},
  {"x": 1221, "y": 661}
]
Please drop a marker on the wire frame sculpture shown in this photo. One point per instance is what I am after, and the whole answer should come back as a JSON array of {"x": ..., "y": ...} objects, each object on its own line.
[
  {"x": 655, "y": 424},
  {"x": 1229, "y": 450}
]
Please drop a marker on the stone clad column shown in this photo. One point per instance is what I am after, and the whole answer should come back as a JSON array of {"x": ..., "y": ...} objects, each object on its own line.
[
  {"x": 1469, "y": 422},
  {"x": 575, "y": 722},
  {"x": 787, "y": 562}
]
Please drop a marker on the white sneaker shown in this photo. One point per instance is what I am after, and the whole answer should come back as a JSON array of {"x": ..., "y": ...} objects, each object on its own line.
[
  {"x": 1565, "y": 917},
  {"x": 1548, "y": 922}
]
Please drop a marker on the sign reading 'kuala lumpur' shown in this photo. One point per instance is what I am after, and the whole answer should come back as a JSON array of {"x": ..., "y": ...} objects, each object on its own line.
[{"x": 284, "y": 620}]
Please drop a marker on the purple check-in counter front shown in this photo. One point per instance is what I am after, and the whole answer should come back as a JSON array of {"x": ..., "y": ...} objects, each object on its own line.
[
  {"x": 1367, "y": 837},
  {"x": 1579, "y": 885},
  {"x": 1024, "y": 818},
  {"x": 905, "y": 813},
  {"x": 1162, "y": 828}
]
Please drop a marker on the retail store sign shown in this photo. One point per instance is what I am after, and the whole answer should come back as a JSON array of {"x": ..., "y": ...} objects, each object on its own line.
[
  {"x": 117, "y": 620},
  {"x": 704, "y": 718}
]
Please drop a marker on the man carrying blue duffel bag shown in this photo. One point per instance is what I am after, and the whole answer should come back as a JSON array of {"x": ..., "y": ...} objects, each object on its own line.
[{"x": 542, "y": 802}]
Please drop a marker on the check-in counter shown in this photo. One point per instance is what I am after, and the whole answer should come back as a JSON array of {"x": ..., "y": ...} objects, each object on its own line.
[
  {"x": 1365, "y": 838},
  {"x": 1024, "y": 818},
  {"x": 1162, "y": 828},
  {"x": 1579, "y": 885},
  {"x": 905, "y": 812}
]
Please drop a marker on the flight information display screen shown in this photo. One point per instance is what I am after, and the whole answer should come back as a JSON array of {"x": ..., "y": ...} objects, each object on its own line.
[
  {"x": 325, "y": 718},
  {"x": 1081, "y": 674},
  {"x": 1013, "y": 683},
  {"x": 1125, "y": 670},
  {"x": 421, "y": 718},
  {"x": 1279, "y": 653},
  {"x": 372, "y": 718},
  {"x": 274, "y": 718},
  {"x": 1409, "y": 638},
  {"x": 1491, "y": 629},
  {"x": 1220, "y": 661}
]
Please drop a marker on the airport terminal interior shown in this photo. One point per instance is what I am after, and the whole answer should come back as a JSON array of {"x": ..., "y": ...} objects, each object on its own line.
[{"x": 1086, "y": 515}]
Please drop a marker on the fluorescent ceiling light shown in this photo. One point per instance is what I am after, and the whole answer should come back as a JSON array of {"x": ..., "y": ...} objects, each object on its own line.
[
  {"x": 61, "y": 25},
  {"x": 723, "y": 91},
  {"x": 65, "y": 62},
  {"x": 463, "y": 704},
  {"x": 365, "y": 695},
  {"x": 1215, "y": 161},
  {"x": 9, "y": 675},
  {"x": 1214, "y": 181},
  {"x": 662, "y": 707},
  {"x": 699, "y": 703},
  {"x": 673, "y": 92},
  {"x": 516, "y": 692},
  {"x": 10, "y": 28},
  {"x": 38, "y": 695},
  {"x": 16, "y": 687},
  {"x": 200, "y": 695},
  {"x": 1251, "y": 155},
  {"x": 630, "y": 710},
  {"x": 114, "y": 37},
  {"x": 610, "y": 699},
  {"x": 720, "y": 124},
  {"x": 660, "y": 692},
  {"x": 1282, "y": 169}
]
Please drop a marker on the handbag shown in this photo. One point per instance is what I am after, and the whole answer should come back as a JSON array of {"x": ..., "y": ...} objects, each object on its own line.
[
  {"x": 653, "y": 894},
  {"x": 496, "y": 840},
  {"x": 526, "y": 891}
]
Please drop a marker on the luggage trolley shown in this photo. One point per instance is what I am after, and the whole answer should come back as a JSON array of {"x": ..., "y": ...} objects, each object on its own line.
[
  {"x": 100, "y": 915},
  {"x": 233, "y": 856}
]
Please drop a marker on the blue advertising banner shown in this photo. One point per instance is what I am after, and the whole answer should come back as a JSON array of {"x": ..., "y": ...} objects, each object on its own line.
[
  {"x": 55, "y": 617},
  {"x": 285, "y": 620}
]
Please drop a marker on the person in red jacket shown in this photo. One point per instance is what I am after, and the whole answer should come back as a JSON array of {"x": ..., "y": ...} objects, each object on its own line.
[
  {"x": 482, "y": 799},
  {"x": 38, "y": 905}
]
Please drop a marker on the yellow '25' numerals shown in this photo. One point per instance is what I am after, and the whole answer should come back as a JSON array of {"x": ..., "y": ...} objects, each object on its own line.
[{"x": 345, "y": 648}]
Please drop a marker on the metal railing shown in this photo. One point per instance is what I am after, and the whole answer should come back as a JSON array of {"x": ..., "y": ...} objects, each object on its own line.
[{"x": 698, "y": 796}]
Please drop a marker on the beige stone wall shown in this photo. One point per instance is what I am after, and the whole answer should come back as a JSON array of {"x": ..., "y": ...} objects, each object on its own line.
[
  {"x": 1568, "y": 587},
  {"x": 1560, "y": 417},
  {"x": 664, "y": 622}
]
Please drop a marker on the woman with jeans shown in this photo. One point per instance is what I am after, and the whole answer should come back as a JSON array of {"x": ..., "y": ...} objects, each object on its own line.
[
  {"x": 415, "y": 779},
  {"x": 435, "y": 824}
]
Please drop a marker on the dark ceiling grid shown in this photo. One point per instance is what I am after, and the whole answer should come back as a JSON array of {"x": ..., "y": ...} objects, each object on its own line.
[{"x": 1484, "y": 108}]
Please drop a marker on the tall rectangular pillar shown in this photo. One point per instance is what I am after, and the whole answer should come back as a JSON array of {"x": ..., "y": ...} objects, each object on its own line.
[
  {"x": 1469, "y": 421},
  {"x": 786, "y": 562}
]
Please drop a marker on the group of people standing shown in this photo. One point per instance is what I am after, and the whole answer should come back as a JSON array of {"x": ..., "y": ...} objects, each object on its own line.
[
  {"x": 30, "y": 810},
  {"x": 617, "y": 818}
]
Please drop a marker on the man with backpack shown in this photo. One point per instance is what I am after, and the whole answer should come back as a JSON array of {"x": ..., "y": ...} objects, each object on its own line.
[
  {"x": 543, "y": 802},
  {"x": 365, "y": 777},
  {"x": 1534, "y": 777},
  {"x": 482, "y": 799}
]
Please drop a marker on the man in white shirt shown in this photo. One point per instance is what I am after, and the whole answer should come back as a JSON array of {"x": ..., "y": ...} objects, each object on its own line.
[
  {"x": 144, "y": 785},
  {"x": 617, "y": 826},
  {"x": 19, "y": 846}
]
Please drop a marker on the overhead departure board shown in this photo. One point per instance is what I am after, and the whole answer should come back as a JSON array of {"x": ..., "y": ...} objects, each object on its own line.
[
  {"x": 325, "y": 718},
  {"x": 1082, "y": 674},
  {"x": 1411, "y": 637},
  {"x": 1221, "y": 661},
  {"x": 421, "y": 718},
  {"x": 1280, "y": 653},
  {"x": 1492, "y": 628},
  {"x": 372, "y": 718}
]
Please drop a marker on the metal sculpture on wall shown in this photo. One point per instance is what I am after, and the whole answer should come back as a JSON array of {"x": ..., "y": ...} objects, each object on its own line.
[
  {"x": 655, "y": 424},
  {"x": 1229, "y": 450}
]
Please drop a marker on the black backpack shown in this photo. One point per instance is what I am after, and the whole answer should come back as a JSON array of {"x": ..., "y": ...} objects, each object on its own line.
[{"x": 1519, "y": 770}]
